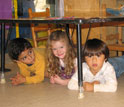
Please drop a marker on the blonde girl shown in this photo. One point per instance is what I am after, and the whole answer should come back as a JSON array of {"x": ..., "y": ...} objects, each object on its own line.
[{"x": 61, "y": 58}]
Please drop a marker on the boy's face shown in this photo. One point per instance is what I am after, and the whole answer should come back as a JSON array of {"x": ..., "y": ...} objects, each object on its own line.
[
  {"x": 27, "y": 56},
  {"x": 59, "y": 49},
  {"x": 95, "y": 62}
]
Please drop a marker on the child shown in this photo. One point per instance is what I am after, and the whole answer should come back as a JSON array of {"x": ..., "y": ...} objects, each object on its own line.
[
  {"x": 30, "y": 61},
  {"x": 61, "y": 58},
  {"x": 98, "y": 73}
]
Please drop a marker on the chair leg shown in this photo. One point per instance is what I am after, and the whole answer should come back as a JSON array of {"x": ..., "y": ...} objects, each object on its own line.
[{"x": 34, "y": 37}]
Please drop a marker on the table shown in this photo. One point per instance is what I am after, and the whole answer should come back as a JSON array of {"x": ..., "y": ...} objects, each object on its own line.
[{"x": 79, "y": 22}]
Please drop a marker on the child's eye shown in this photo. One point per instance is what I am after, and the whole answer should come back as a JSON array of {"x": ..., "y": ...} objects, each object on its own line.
[
  {"x": 98, "y": 55},
  {"x": 30, "y": 52},
  {"x": 61, "y": 47},
  {"x": 24, "y": 58},
  {"x": 54, "y": 49},
  {"x": 90, "y": 56}
]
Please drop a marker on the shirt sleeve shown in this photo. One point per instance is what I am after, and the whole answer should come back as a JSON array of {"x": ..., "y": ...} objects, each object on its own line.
[
  {"x": 73, "y": 83},
  {"x": 110, "y": 84}
]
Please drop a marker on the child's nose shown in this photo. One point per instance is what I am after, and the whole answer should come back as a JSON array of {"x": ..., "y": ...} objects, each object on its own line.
[
  {"x": 94, "y": 58},
  {"x": 58, "y": 50},
  {"x": 29, "y": 57}
]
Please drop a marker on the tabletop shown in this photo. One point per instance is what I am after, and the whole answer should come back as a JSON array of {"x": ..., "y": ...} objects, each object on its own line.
[{"x": 67, "y": 20}]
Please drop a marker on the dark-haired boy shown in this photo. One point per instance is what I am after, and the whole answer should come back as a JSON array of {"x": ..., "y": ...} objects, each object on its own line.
[{"x": 30, "y": 61}]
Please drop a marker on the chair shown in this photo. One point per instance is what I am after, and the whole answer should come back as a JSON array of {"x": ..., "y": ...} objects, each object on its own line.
[{"x": 35, "y": 28}]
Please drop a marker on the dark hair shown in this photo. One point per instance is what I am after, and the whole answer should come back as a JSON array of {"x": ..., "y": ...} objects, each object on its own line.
[
  {"x": 95, "y": 47},
  {"x": 17, "y": 46}
]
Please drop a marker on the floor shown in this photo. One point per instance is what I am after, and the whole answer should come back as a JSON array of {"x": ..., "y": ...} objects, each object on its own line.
[{"x": 48, "y": 95}]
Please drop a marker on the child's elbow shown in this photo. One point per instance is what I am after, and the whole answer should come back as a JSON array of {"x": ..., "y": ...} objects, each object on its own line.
[
  {"x": 69, "y": 87},
  {"x": 114, "y": 89},
  {"x": 72, "y": 85}
]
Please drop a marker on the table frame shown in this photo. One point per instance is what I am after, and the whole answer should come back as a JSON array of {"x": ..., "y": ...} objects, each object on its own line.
[{"x": 79, "y": 22}]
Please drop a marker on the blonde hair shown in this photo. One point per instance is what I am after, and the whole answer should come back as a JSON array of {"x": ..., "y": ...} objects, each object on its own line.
[{"x": 52, "y": 62}]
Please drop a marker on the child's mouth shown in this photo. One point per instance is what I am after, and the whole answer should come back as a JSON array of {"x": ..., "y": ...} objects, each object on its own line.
[
  {"x": 94, "y": 65},
  {"x": 60, "y": 54}
]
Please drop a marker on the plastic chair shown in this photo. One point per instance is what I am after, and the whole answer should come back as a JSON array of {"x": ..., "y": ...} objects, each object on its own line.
[{"x": 35, "y": 28}]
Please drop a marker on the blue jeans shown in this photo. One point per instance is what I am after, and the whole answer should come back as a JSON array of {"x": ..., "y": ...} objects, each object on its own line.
[{"x": 118, "y": 64}]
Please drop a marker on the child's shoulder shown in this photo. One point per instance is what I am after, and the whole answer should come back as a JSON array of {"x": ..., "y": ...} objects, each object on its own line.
[
  {"x": 108, "y": 64},
  {"x": 108, "y": 67}
]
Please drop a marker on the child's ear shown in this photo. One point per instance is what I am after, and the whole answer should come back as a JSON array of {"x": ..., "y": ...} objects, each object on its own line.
[{"x": 106, "y": 59}]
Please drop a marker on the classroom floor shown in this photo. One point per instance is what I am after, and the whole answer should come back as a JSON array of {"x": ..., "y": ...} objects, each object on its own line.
[{"x": 48, "y": 95}]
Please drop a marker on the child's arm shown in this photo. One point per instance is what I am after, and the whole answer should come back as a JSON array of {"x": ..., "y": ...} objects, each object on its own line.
[
  {"x": 60, "y": 81},
  {"x": 52, "y": 80},
  {"x": 90, "y": 86},
  {"x": 18, "y": 79},
  {"x": 39, "y": 74},
  {"x": 73, "y": 83},
  {"x": 36, "y": 78},
  {"x": 110, "y": 82}
]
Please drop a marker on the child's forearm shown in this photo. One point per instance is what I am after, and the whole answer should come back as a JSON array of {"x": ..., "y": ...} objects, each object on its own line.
[
  {"x": 96, "y": 82},
  {"x": 18, "y": 80},
  {"x": 89, "y": 86}
]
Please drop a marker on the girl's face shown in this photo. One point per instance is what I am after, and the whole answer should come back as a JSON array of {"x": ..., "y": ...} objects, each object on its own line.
[
  {"x": 59, "y": 49},
  {"x": 27, "y": 56},
  {"x": 95, "y": 62}
]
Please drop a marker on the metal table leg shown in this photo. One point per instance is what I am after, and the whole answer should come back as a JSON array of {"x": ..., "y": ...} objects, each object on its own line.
[
  {"x": 68, "y": 34},
  {"x": 3, "y": 49},
  {"x": 79, "y": 57}
]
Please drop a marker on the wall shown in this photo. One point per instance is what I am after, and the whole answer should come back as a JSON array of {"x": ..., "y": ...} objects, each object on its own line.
[{"x": 88, "y": 9}]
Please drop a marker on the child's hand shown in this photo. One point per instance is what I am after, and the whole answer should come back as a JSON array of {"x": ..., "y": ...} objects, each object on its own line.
[
  {"x": 96, "y": 82},
  {"x": 18, "y": 79},
  {"x": 88, "y": 86},
  {"x": 57, "y": 79},
  {"x": 52, "y": 80}
]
